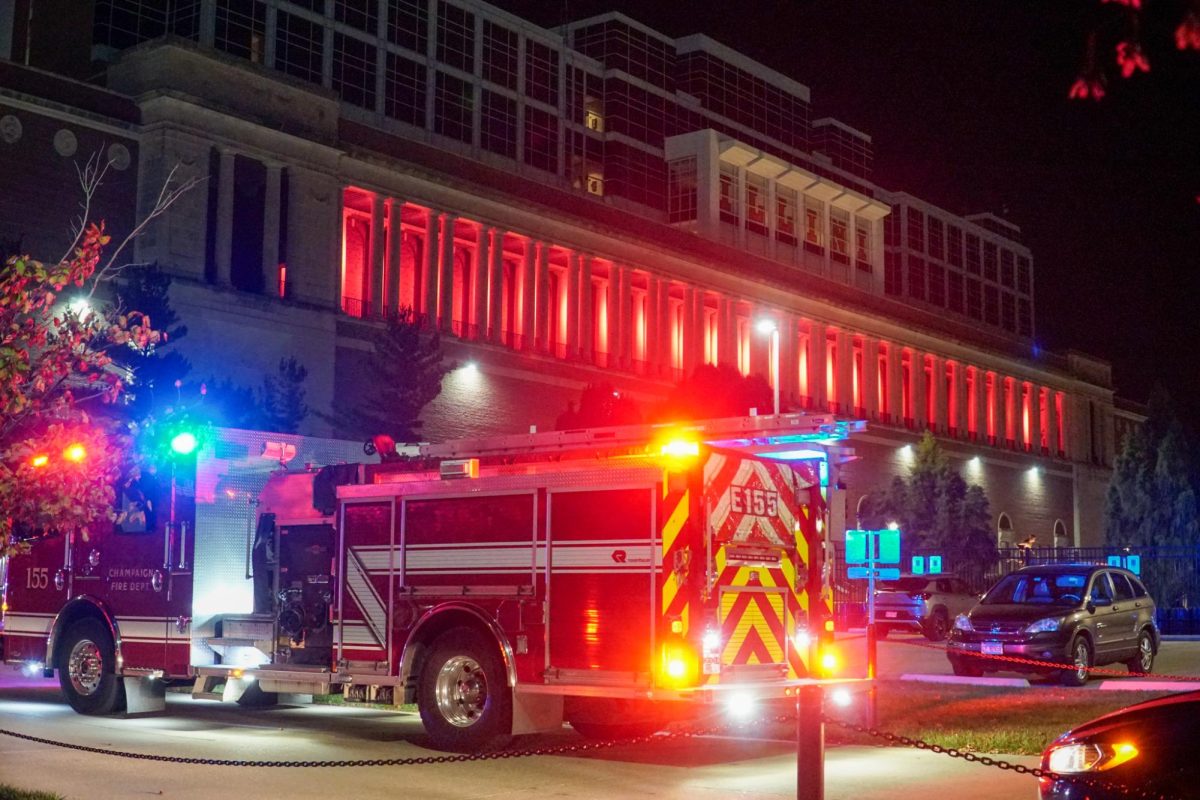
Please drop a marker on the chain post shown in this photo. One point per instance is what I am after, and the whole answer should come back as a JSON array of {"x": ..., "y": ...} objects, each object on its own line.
[{"x": 810, "y": 743}]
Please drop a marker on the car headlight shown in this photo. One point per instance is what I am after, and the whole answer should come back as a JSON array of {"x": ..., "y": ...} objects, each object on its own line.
[
  {"x": 1047, "y": 625},
  {"x": 962, "y": 623},
  {"x": 1069, "y": 759}
]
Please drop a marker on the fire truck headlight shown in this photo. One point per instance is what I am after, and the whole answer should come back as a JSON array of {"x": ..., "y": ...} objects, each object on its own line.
[
  {"x": 841, "y": 697},
  {"x": 741, "y": 705}
]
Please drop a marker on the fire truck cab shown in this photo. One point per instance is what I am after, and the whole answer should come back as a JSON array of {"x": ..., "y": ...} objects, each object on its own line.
[{"x": 614, "y": 578}]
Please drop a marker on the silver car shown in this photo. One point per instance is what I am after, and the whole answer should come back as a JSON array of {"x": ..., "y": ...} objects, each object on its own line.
[{"x": 924, "y": 604}]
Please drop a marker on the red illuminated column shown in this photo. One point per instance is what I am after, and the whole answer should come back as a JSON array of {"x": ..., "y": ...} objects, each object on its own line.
[
  {"x": 583, "y": 333},
  {"x": 959, "y": 405},
  {"x": 374, "y": 305},
  {"x": 1004, "y": 391},
  {"x": 654, "y": 329},
  {"x": 528, "y": 282},
  {"x": 663, "y": 344},
  {"x": 1052, "y": 422},
  {"x": 224, "y": 244},
  {"x": 429, "y": 269},
  {"x": 571, "y": 334},
  {"x": 817, "y": 383},
  {"x": 1035, "y": 418},
  {"x": 541, "y": 317},
  {"x": 920, "y": 396},
  {"x": 270, "y": 242},
  {"x": 941, "y": 416},
  {"x": 446, "y": 275},
  {"x": 726, "y": 332},
  {"x": 981, "y": 405},
  {"x": 496, "y": 287},
  {"x": 844, "y": 371},
  {"x": 869, "y": 381},
  {"x": 788, "y": 358},
  {"x": 690, "y": 324},
  {"x": 395, "y": 240},
  {"x": 623, "y": 309},
  {"x": 895, "y": 383},
  {"x": 479, "y": 282}
]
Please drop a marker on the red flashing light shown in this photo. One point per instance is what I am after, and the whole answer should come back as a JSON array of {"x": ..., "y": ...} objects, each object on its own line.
[
  {"x": 40, "y": 460},
  {"x": 75, "y": 453}
]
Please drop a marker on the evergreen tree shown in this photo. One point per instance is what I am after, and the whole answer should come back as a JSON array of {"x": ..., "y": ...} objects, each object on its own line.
[
  {"x": 155, "y": 372},
  {"x": 937, "y": 511},
  {"x": 404, "y": 373},
  {"x": 281, "y": 399}
]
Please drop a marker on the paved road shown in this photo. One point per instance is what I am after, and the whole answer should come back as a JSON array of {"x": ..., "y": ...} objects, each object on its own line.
[{"x": 696, "y": 769}]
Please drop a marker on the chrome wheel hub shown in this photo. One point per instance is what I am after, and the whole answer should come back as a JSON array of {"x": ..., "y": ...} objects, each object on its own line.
[
  {"x": 1081, "y": 660},
  {"x": 461, "y": 691},
  {"x": 1146, "y": 653},
  {"x": 85, "y": 666}
]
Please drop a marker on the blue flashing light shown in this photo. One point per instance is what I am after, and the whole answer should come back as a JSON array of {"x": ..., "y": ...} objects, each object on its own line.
[
  {"x": 796, "y": 455},
  {"x": 823, "y": 468}
]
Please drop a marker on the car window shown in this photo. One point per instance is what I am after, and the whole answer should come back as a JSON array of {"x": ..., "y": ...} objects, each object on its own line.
[
  {"x": 1101, "y": 588},
  {"x": 1138, "y": 589},
  {"x": 1064, "y": 588},
  {"x": 1121, "y": 584}
]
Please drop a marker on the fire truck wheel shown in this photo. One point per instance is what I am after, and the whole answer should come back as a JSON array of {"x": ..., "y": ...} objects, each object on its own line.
[
  {"x": 86, "y": 660},
  {"x": 464, "y": 698}
]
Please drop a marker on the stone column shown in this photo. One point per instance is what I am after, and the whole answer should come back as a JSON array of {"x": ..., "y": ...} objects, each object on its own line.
[
  {"x": 1035, "y": 419},
  {"x": 542, "y": 298},
  {"x": 818, "y": 387},
  {"x": 844, "y": 372},
  {"x": 870, "y": 377},
  {"x": 528, "y": 280},
  {"x": 586, "y": 320},
  {"x": 446, "y": 275},
  {"x": 959, "y": 420},
  {"x": 623, "y": 308},
  {"x": 1001, "y": 411},
  {"x": 573, "y": 300},
  {"x": 941, "y": 416},
  {"x": 224, "y": 244},
  {"x": 653, "y": 325},
  {"x": 1052, "y": 422},
  {"x": 429, "y": 269},
  {"x": 496, "y": 287},
  {"x": 980, "y": 404},
  {"x": 895, "y": 383},
  {"x": 611, "y": 306},
  {"x": 691, "y": 328},
  {"x": 726, "y": 332},
  {"x": 788, "y": 360},
  {"x": 395, "y": 254},
  {"x": 479, "y": 283},
  {"x": 665, "y": 332},
  {"x": 271, "y": 220},
  {"x": 373, "y": 307},
  {"x": 920, "y": 399}
]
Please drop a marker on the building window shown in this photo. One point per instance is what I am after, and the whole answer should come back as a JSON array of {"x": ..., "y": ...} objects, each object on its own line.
[
  {"x": 785, "y": 214},
  {"x": 756, "y": 204},
  {"x": 452, "y": 108},
  {"x": 1008, "y": 312},
  {"x": 814, "y": 224},
  {"x": 1024, "y": 317},
  {"x": 541, "y": 139},
  {"x": 937, "y": 239},
  {"x": 891, "y": 230},
  {"x": 954, "y": 245},
  {"x": 974, "y": 299},
  {"x": 240, "y": 28},
  {"x": 1024, "y": 275},
  {"x": 916, "y": 278},
  {"x": 681, "y": 190},
  {"x": 1007, "y": 269},
  {"x": 991, "y": 305},
  {"x": 456, "y": 37},
  {"x": 541, "y": 72},
  {"x": 498, "y": 124},
  {"x": 972, "y": 254},
  {"x": 500, "y": 55},
  {"x": 360, "y": 14},
  {"x": 990, "y": 261},
  {"x": 593, "y": 114},
  {"x": 1060, "y": 533},
  {"x": 916, "y": 229},
  {"x": 937, "y": 284},
  {"x": 675, "y": 311},
  {"x": 954, "y": 292},
  {"x": 404, "y": 84},
  {"x": 893, "y": 281},
  {"x": 839, "y": 244},
  {"x": 408, "y": 24},
  {"x": 354, "y": 70},
  {"x": 729, "y": 195},
  {"x": 298, "y": 47},
  {"x": 862, "y": 243}
]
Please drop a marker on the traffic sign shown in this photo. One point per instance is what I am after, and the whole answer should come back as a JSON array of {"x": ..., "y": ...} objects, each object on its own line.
[
  {"x": 918, "y": 565},
  {"x": 1134, "y": 564},
  {"x": 1114, "y": 561},
  {"x": 889, "y": 546},
  {"x": 935, "y": 564},
  {"x": 856, "y": 546},
  {"x": 882, "y": 547},
  {"x": 881, "y": 573}
]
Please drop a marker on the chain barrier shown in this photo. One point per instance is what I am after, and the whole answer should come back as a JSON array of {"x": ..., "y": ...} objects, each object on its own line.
[
  {"x": 988, "y": 761},
  {"x": 1122, "y": 673}
]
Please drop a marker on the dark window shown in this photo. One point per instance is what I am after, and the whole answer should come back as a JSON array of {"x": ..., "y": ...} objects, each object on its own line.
[
  {"x": 972, "y": 254},
  {"x": 1101, "y": 588},
  {"x": 991, "y": 305},
  {"x": 891, "y": 229},
  {"x": 354, "y": 70},
  {"x": 937, "y": 239},
  {"x": 541, "y": 72},
  {"x": 916, "y": 229},
  {"x": 541, "y": 139},
  {"x": 456, "y": 37},
  {"x": 916, "y": 277},
  {"x": 360, "y": 14},
  {"x": 990, "y": 261},
  {"x": 1138, "y": 589},
  {"x": 974, "y": 299},
  {"x": 404, "y": 85},
  {"x": 500, "y": 55},
  {"x": 408, "y": 24},
  {"x": 681, "y": 190},
  {"x": 1007, "y": 276},
  {"x": 298, "y": 46},
  {"x": 1023, "y": 275},
  {"x": 240, "y": 27},
  {"x": 954, "y": 246},
  {"x": 892, "y": 280},
  {"x": 124, "y": 23},
  {"x": 1024, "y": 317},
  {"x": 937, "y": 284},
  {"x": 954, "y": 292},
  {"x": 1008, "y": 311},
  {"x": 452, "y": 108},
  {"x": 249, "y": 195},
  {"x": 498, "y": 124}
]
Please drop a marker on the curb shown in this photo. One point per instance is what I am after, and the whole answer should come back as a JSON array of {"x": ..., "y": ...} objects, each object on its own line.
[
  {"x": 1149, "y": 686},
  {"x": 962, "y": 680}
]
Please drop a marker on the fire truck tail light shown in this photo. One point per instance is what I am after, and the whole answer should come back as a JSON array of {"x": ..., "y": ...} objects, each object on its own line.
[
  {"x": 679, "y": 664},
  {"x": 829, "y": 661}
]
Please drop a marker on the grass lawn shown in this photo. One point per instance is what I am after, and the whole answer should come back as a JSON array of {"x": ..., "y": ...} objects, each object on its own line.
[
  {"x": 981, "y": 719},
  {"x": 12, "y": 793}
]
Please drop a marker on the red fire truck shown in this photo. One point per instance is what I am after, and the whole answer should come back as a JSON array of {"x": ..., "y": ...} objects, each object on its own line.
[{"x": 616, "y": 578}]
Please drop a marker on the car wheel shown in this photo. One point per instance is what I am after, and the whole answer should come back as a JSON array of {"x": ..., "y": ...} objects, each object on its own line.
[
  {"x": 86, "y": 664},
  {"x": 965, "y": 669},
  {"x": 463, "y": 696},
  {"x": 937, "y": 627},
  {"x": 1081, "y": 657},
  {"x": 1143, "y": 662}
]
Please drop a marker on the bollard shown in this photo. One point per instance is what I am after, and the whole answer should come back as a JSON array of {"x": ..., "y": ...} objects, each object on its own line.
[{"x": 810, "y": 743}]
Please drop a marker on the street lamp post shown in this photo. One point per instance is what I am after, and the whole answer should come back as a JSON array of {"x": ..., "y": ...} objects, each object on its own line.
[{"x": 768, "y": 325}]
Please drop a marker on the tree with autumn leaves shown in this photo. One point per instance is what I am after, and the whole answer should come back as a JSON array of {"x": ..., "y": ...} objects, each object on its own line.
[{"x": 62, "y": 447}]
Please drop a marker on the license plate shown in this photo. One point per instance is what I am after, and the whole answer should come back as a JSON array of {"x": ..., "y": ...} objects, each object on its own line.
[
  {"x": 890, "y": 614},
  {"x": 992, "y": 648}
]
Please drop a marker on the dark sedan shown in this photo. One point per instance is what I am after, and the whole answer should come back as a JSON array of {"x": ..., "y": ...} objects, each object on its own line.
[
  {"x": 1081, "y": 615},
  {"x": 1149, "y": 747}
]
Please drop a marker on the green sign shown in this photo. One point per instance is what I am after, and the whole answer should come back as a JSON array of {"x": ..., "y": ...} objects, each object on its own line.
[
  {"x": 889, "y": 547},
  {"x": 918, "y": 565},
  {"x": 856, "y": 547},
  {"x": 884, "y": 545},
  {"x": 935, "y": 563}
]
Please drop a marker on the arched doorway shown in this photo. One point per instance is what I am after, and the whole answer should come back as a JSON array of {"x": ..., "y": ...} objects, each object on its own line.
[
  {"x": 1060, "y": 534},
  {"x": 1005, "y": 535}
]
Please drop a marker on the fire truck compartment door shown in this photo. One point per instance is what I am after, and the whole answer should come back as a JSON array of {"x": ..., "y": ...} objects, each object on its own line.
[{"x": 754, "y": 628}]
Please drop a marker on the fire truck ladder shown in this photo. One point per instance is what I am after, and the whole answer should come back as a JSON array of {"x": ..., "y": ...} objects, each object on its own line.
[{"x": 754, "y": 434}]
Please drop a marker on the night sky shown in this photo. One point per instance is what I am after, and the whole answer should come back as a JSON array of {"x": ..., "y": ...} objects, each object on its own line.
[{"x": 966, "y": 101}]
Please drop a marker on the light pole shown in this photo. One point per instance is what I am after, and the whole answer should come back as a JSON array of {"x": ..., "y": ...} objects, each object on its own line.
[{"x": 767, "y": 325}]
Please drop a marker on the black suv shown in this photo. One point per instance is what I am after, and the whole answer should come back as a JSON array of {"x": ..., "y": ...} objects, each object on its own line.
[{"x": 1083, "y": 615}]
